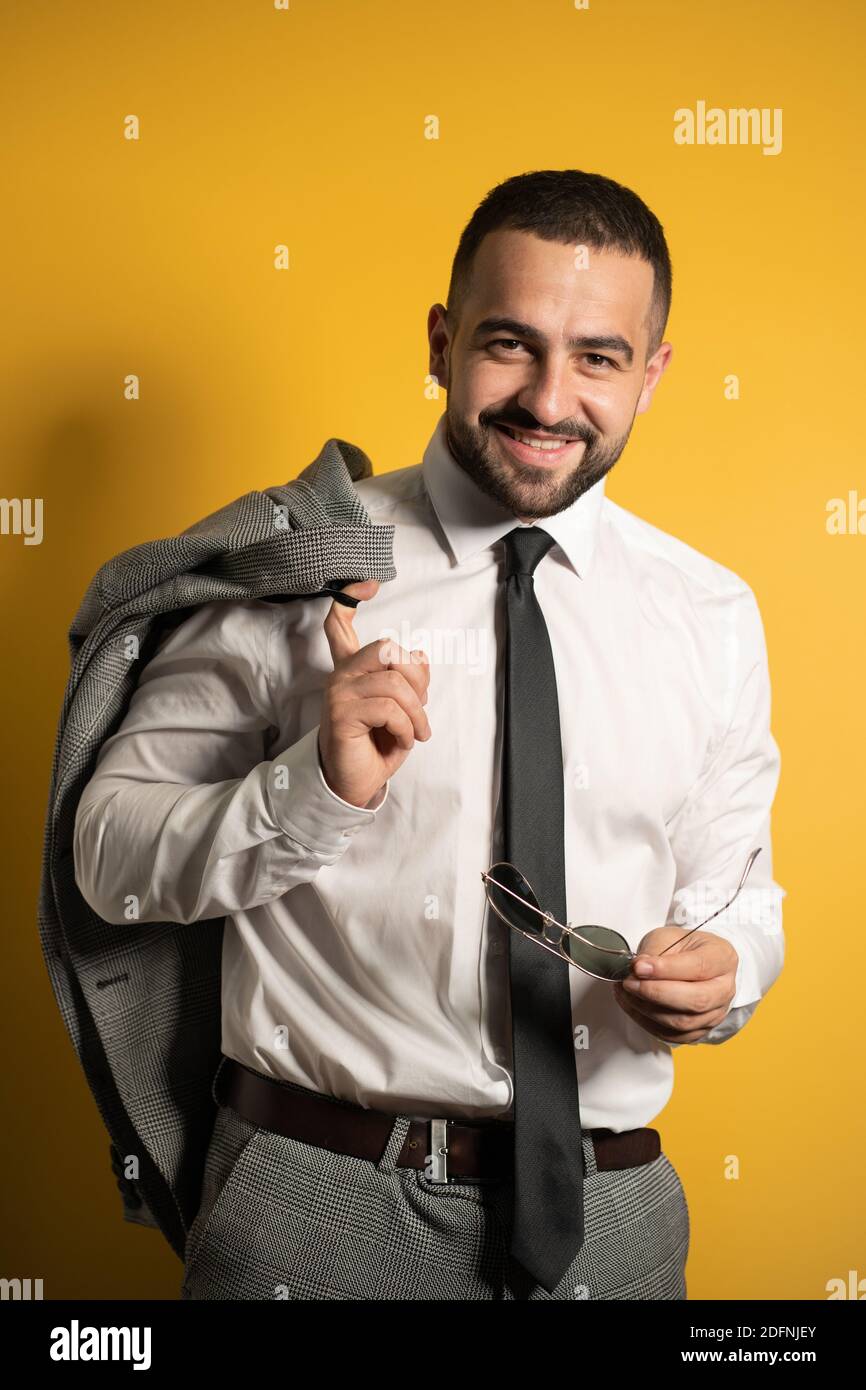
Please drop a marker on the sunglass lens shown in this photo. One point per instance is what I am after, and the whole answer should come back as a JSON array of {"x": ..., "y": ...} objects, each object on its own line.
[
  {"x": 511, "y": 895},
  {"x": 599, "y": 962}
]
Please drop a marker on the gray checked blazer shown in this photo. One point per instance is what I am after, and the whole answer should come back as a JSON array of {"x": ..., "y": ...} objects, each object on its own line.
[{"x": 141, "y": 1002}]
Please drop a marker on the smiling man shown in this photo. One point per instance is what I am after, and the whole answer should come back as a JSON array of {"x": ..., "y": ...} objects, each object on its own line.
[
  {"x": 540, "y": 409},
  {"x": 428, "y": 1093}
]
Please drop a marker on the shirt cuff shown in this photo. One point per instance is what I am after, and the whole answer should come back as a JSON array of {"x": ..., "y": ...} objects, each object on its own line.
[
  {"x": 747, "y": 988},
  {"x": 747, "y": 991},
  {"x": 747, "y": 985},
  {"x": 304, "y": 806}
]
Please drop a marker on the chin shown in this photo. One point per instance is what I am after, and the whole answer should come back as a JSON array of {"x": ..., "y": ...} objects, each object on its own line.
[{"x": 538, "y": 493}]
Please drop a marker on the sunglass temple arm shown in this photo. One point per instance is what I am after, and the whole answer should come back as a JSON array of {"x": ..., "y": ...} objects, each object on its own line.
[{"x": 749, "y": 862}]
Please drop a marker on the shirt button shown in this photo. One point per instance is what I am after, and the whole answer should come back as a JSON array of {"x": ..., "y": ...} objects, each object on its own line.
[{"x": 497, "y": 947}]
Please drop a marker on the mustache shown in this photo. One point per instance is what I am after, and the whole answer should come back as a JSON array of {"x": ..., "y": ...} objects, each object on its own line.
[{"x": 581, "y": 432}]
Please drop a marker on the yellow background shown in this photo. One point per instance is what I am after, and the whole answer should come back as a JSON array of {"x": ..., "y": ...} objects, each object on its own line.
[{"x": 261, "y": 126}]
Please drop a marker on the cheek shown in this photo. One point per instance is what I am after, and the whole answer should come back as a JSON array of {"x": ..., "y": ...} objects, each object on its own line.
[
  {"x": 495, "y": 381},
  {"x": 483, "y": 387},
  {"x": 608, "y": 406}
]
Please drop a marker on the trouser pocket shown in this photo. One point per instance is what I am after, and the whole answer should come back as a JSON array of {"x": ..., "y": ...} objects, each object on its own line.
[{"x": 230, "y": 1137}]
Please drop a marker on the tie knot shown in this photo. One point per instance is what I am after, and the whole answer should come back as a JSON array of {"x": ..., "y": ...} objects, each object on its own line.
[{"x": 525, "y": 546}]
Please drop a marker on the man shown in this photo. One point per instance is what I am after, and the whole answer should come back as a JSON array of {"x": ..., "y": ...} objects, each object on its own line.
[{"x": 418, "y": 1101}]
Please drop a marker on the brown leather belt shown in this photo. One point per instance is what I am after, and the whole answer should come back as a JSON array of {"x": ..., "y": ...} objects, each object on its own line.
[{"x": 448, "y": 1150}]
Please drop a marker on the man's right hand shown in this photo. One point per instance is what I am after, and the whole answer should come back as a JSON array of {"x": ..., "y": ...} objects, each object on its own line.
[{"x": 372, "y": 707}]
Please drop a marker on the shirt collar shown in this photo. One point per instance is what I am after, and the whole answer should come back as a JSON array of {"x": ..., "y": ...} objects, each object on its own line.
[{"x": 472, "y": 521}]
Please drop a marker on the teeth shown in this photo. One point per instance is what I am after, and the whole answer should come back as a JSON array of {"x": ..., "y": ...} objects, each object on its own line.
[{"x": 544, "y": 445}]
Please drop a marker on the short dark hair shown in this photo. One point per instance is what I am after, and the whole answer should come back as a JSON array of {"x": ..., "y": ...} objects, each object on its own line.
[{"x": 570, "y": 206}]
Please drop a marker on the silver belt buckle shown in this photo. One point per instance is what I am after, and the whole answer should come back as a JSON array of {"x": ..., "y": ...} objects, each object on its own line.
[{"x": 437, "y": 1158}]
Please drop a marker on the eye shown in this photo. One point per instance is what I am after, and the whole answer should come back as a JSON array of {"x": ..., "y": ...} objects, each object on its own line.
[
  {"x": 501, "y": 342},
  {"x": 598, "y": 358}
]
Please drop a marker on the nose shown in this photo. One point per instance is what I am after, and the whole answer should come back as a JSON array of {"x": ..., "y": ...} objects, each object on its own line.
[{"x": 550, "y": 394}]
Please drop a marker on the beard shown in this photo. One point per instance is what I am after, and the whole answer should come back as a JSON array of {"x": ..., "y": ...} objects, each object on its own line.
[{"x": 523, "y": 489}]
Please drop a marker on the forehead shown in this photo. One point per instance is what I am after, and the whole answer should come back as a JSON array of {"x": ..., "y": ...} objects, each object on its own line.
[{"x": 547, "y": 284}]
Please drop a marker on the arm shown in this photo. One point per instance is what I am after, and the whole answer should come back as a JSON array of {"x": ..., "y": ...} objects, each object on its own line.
[
  {"x": 184, "y": 817},
  {"x": 727, "y": 816},
  {"x": 724, "y": 817}
]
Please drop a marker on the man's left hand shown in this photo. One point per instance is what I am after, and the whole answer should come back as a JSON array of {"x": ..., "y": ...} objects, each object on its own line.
[{"x": 688, "y": 991}]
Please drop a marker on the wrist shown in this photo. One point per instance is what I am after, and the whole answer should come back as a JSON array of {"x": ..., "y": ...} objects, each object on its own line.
[{"x": 372, "y": 802}]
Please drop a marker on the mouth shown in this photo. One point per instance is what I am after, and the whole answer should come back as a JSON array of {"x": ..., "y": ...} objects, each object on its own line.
[{"x": 542, "y": 450}]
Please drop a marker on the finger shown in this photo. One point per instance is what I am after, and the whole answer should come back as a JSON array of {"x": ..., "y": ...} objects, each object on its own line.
[
  {"x": 393, "y": 685},
  {"x": 382, "y": 713},
  {"x": 678, "y": 996},
  {"x": 413, "y": 665},
  {"x": 701, "y": 958},
  {"x": 671, "y": 1027},
  {"x": 339, "y": 621},
  {"x": 383, "y": 653}
]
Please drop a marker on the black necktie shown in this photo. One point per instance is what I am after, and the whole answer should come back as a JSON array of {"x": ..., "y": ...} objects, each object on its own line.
[{"x": 548, "y": 1155}]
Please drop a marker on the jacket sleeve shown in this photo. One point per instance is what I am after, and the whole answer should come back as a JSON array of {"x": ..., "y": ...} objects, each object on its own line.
[
  {"x": 726, "y": 816},
  {"x": 184, "y": 817}
]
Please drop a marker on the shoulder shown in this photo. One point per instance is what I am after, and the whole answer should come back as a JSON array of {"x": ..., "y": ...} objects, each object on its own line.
[
  {"x": 678, "y": 584},
  {"x": 661, "y": 553}
]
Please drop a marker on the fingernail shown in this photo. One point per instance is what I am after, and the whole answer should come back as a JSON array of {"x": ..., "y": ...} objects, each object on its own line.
[{"x": 643, "y": 967}]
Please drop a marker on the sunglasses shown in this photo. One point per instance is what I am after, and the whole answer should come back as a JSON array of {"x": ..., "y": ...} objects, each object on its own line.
[{"x": 597, "y": 951}]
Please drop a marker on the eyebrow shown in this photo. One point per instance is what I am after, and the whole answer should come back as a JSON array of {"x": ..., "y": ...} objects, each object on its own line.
[{"x": 613, "y": 342}]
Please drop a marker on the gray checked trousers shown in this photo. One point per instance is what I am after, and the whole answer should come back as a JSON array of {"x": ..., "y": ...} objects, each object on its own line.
[{"x": 281, "y": 1219}]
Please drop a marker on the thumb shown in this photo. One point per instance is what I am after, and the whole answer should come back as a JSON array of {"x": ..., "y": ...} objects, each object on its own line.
[
  {"x": 658, "y": 940},
  {"x": 339, "y": 621}
]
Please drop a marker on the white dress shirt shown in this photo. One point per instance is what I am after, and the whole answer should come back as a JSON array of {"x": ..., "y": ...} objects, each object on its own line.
[{"x": 360, "y": 958}]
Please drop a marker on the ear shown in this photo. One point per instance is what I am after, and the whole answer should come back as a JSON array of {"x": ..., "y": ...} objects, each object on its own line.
[
  {"x": 652, "y": 375},
  {"x": 439, "y": 337}
]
